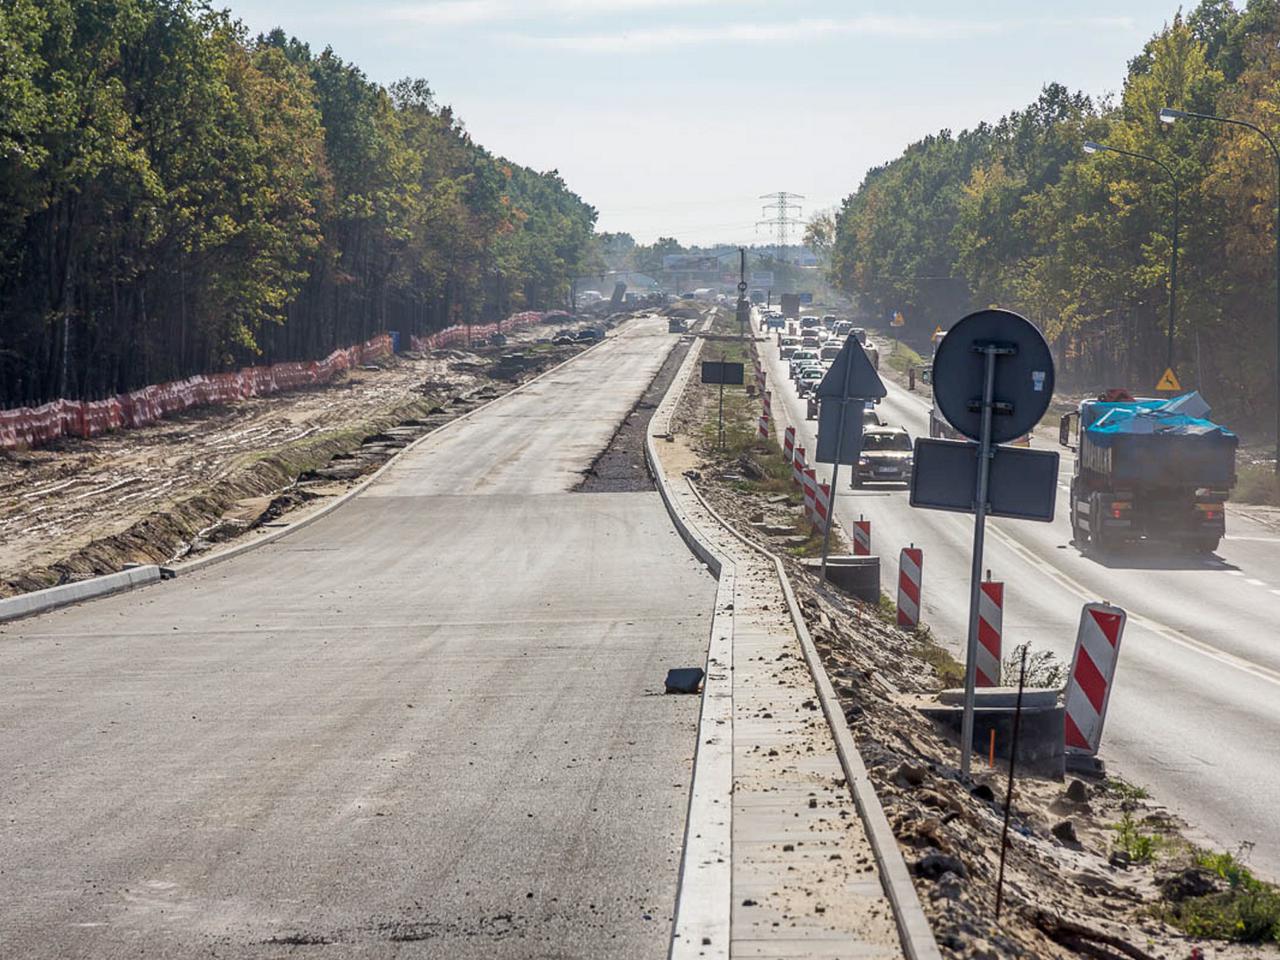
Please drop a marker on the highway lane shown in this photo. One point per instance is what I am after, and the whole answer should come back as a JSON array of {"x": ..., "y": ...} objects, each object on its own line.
[
  {"x": 431, "y": 722},
  {"x": 1195, "y": 713}
]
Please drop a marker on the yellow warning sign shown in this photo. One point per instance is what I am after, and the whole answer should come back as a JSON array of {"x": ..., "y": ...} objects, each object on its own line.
[
  {"x": 898, "y": 320},
  {"x": 937, "y": 330},
  {"x": 1169, "y": 381}
]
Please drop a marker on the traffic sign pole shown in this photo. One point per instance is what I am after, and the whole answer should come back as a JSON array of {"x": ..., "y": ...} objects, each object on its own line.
[
  {"x": 835, "y": 470},
  {"x": 990, "y": 352}
]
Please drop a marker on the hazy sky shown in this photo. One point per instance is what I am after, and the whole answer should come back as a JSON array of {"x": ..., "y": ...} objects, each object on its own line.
[{"x": 672, "y": 116}]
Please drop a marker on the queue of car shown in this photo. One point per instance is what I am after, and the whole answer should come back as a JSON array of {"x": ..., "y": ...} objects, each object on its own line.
[{"x": 809, "y": 346}]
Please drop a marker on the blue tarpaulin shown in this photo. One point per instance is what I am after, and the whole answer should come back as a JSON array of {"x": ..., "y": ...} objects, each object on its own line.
[{"x": 1181, "y": 416}]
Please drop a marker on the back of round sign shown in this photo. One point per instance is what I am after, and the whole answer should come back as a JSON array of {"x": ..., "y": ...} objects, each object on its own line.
[{"x": 1023, "y": 382}]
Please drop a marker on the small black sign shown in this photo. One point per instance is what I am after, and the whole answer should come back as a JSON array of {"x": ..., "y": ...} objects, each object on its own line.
[{"x": 717, "y": 371}]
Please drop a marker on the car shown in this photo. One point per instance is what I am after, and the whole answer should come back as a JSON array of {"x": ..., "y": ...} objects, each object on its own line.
[
  {"x": 861, "y": 334},
  {"x": 563, "y": 338},
  {"x": 871, "y": 419},
  {"x": 829, "y": 321},
  {"x": 886, "y": 456},
  {"x": 589, "y": 335},
  {"x": 842, "y": 329},
  {"x": 787, "y": 346},
  {"x": 808, "y": 380},
  {"x": 810, "y": 322},
  {"x": 830, "y": 350},
  {"x": 800, "y": 358}
]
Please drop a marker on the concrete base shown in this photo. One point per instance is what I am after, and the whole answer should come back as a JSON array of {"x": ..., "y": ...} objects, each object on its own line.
[
  {"x": 1040, "y": 745},
  {"x": 1086, "y": 765},
  {"x": 856, "y": 576}
]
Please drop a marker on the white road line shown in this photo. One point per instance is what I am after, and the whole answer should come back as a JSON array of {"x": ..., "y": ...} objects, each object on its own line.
[
  {"x": 1235, "y": 573},
  {"x": 1169, "y": 633},
  {"x": 1276, "y": 592},
  {"x": 1256, "y": 583}
]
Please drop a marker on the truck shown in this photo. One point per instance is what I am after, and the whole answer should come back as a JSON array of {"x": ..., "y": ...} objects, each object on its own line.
[{"x": 1148, "y": 469}]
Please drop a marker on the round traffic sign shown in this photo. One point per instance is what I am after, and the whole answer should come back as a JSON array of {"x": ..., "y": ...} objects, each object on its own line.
[
  {"x": 742, "y": 286},
  {"x": 1023, "y": 374}
]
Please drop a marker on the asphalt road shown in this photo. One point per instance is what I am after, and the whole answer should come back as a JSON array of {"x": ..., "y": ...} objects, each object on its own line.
[
  {"x": 431, "y": 724},
  {"x": 1195, "y": 710}
]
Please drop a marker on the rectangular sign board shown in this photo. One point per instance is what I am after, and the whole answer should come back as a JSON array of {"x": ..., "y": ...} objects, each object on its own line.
[
  {"x": 1023, "y": 484},
  {"x": 806, "y": 297},
  {"x": 829, "y": 430},
  {"x": 762, "y": 278},
  {"x": 791, "y": 306},
  {"x": 716, "y": 371}
]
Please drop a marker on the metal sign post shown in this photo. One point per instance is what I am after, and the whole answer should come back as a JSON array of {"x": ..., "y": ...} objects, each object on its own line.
[
  {"x": 722, "y": 372},
  {"x": 835, "y": 470},
  {"x": 851, "y": 377},
  {"x": 992, "y": 402},
  {"x": 989, "y": 352}
]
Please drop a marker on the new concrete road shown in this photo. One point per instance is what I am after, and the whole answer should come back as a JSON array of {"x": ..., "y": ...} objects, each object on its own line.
[
  {"x": 1195, "y": 710},
  {"x": 431, "y": 724}
]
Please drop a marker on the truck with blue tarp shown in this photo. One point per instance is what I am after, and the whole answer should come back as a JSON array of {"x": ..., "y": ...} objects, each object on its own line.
[{"x": 1148, "y": 469}]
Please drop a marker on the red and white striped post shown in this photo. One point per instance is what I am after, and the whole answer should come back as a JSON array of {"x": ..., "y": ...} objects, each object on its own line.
[
  {"x": 762, "y": 426},
  {"x": 810, "y": 483},
  {"x": 768, "y": 403},
  {"x": 797, "y": 467},
  {"x": 788, "y": 443},
  {"x": 910, "y": 575},
  {"x": 822, "y": 505},
  {"x": 861, "y": 537},
  {"x": 1093, "y": 667},
  {"x": 990, "y": 629}
]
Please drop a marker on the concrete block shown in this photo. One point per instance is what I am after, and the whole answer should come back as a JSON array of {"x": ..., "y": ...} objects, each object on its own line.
[{"x": 29, "y": 604}]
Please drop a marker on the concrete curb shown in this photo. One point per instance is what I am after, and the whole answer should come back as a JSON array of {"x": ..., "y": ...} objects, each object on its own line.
[
  {"x": 38, "y": 601},
  {"x": 913, "y": 926},
  {"x": 704, "y": 903},
  {"x": 697, "y": 911}
]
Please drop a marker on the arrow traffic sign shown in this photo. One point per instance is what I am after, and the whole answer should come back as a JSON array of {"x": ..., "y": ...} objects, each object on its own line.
[{"x": 1169, "y": 381}]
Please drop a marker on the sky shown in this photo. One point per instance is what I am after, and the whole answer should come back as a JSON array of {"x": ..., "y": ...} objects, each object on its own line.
[{"x": 672, "y": 117}]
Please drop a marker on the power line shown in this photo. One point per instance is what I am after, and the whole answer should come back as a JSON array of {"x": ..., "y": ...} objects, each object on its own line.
[{"x": 779, "y": 217}]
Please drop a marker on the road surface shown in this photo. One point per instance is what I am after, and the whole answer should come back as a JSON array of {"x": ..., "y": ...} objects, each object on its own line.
[
  {"x": 430, "y": 724},
  {"x": 1195, "y": 711}
]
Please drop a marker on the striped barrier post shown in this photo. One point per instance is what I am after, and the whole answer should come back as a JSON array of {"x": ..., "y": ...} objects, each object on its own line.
[
  {"x": 1093, "y": 667},
  {"x": 910, "y": 575},
  {"x": 788, "y": 443},
  {"x": 990, "y": 629},
  {"x": 861, "y": 537},
  {"x": 768, "y": 403},
  {"x": 762, "y": 427},
  {"x": 810, "y": 482},
  {"x": 797, "y": 467},
  {"x": 822, "y": 505}
]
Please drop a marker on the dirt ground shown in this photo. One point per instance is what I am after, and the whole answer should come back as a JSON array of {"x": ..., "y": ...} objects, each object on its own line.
[
  {"x": 79, "y": 508},
  {"x": 1095, "y": 868}
]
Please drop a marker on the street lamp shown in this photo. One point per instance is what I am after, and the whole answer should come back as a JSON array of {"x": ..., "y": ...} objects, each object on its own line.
[
  {"x": 1169, "y": 115},
  {"x": 1092, "y": 147}
]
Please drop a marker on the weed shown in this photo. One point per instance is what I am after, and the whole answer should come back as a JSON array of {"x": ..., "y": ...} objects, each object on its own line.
[
  {"x": 1044, "y": 670},
  {"x": 1140, "y": 847},
  {"x": 1248, "y": 910},
  {"x": 1125, "y": 790}
]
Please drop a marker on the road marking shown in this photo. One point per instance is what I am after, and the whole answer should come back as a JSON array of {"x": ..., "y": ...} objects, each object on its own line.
[
  {"x": 1276, "y": 592},
  {"x": 1235, "y": 573},
  {"x": 1163, "y": 630},
  {"x": 1256, "y": 583}
]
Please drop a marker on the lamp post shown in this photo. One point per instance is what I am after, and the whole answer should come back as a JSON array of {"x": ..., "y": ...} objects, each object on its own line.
[
  {"x": 1092, "y": 147},
  {"x": 1169, "y": 115}
]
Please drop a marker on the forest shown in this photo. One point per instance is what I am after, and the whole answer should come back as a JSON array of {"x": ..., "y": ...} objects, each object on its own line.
[
  {"x": 1017, "y": 214},
  {"x": 177, "y": 197}
]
